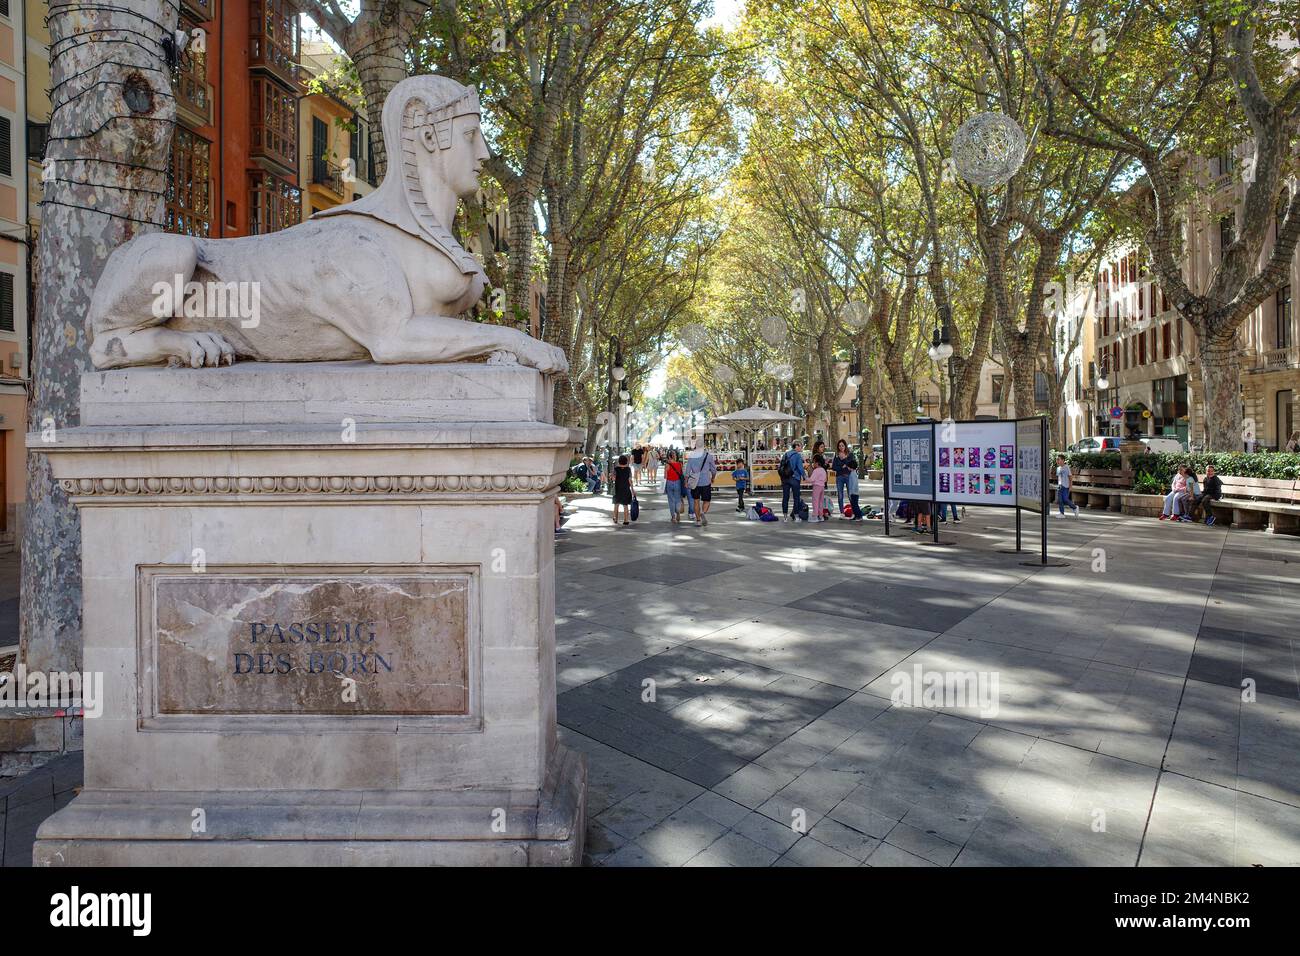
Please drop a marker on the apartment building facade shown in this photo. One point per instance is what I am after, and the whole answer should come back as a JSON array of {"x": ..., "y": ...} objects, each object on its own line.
[
  {"x": 337, "y": 160},
  {"x": 15, "y": 255},
  {"x": 1148, "y": 354}
]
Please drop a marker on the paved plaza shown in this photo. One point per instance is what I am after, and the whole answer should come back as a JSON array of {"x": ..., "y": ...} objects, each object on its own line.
[{"x": 1120, "y": 732}]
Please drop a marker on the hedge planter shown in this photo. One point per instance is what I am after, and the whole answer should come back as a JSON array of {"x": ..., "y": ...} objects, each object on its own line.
[
  {"x": 1144, "y": 506},
  {"x": 875, "y": 474}
]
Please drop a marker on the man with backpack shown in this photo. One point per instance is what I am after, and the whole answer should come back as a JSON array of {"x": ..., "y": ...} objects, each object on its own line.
[{"x": 791, "y": 471}]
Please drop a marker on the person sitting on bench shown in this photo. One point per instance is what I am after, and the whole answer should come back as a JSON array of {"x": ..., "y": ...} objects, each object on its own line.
[{"x": 1212, "y": 490}]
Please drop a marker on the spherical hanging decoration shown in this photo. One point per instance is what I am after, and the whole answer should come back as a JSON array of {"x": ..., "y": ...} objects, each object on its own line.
[
  {"x": 855, "y": 314},
  {"x": 694, "y": 336},
  {"x": 724, "y": 373},
  {"x": 773, "y": 330},
  {"x": 988, "y": 149},
  {"x": 781, "y": 371}
]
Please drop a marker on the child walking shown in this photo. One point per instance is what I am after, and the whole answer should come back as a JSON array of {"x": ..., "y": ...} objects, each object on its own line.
[
  {"x": 740, "y": 475},
  {"x": 818, "y": 481}
]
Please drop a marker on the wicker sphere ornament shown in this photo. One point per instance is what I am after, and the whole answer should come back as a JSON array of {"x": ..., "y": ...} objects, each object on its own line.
[
  {"x": 772, "y": 329},
  {"x": 988, "y": 149}
]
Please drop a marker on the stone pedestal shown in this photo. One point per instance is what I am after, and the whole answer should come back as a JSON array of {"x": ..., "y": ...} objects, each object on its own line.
[{"x": 322, "y": 597}]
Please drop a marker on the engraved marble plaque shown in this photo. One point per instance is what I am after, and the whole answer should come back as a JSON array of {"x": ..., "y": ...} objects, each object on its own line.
[{"x": 335, "y": 643}]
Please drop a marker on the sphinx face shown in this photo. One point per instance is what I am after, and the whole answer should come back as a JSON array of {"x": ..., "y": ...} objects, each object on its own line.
[{"x": 461, "y": 161}]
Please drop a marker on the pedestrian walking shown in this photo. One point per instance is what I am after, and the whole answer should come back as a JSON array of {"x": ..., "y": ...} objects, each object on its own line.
[
  {"x": 623, "y": 490},
  {"x": 674, "y": 486},
  {"x": 638, "y": 455},
  {"x": 701, "y": 466},
  {"x": 1063, "y": 487}
]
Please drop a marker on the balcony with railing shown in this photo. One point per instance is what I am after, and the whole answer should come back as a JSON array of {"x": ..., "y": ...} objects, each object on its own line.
[
  {"x": 329, "y": 175},
  {"x": 275, "y": 40},
  {"x": 273, "y": 203},
  {"x": 1270, "y": 360}
]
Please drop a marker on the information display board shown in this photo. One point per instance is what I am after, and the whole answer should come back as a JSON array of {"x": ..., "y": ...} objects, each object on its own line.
[
  {"x": 976, "y": 463},
  {"x": 1031, "y": 464},
  {"x": 909, "y": 462},
  {"x": 1000, "y": 464}
]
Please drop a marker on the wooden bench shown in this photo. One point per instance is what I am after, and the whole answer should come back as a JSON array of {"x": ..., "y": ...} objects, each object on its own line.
[
  {"x": 1251, "y": 502},
  {"x": 1098, "y": 488}
]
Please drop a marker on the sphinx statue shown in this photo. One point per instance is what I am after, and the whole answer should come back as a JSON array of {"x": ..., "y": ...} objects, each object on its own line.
[{"x": 380, "y": 278}]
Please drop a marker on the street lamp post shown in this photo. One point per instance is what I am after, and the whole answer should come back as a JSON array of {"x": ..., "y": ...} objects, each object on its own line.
[
  {"x": 855, "y": 379},
  {"x": 1103, "y": 385},
  {"x": 616, "y": 375},
  {"x": 941, "y": 353}
]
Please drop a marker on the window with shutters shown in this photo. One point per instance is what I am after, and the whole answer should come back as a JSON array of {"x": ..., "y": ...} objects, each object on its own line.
[
  {"x": 320, "y": 148},
  {"x": 274, "y": 38},
  {"x": 1227, "y": 227},
  {"x": 4, "y": 8},
  {"x": 6, "y": 146},
  {"x": 274, "y": 122},
  {"x": 37, "y": 134},
  {"x": 189, "y": 185},
  {"x": 190, "y": 81},
  {"x": 6, "y": 302},
  {"x": 1040, "y": 388},
  {"x": 1284, "y": 317},
  {"x": 275, "y": 203}
]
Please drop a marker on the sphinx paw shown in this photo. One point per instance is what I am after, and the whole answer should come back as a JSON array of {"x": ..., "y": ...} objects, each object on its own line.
[
  {"x": 200, "y": 349},
  {"x": 502, "y": 357}
]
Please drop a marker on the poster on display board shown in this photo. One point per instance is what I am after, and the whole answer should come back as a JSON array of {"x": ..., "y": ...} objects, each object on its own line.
[
  {"x": 909, "y": 462},
  {"x": 1031, "y": 464},
  {"x": 976, "y": 463}
]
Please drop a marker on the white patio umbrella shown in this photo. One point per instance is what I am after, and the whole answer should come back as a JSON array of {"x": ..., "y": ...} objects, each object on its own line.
[{"x": 747, "y": 421}]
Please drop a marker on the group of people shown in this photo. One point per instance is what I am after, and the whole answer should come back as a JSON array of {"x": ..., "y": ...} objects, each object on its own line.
[
  {"x": 817, "y": 470},
  {"x": 1185, "y": 502},
  {"x": 1187, "y": 497},
  {"x": 688, "y": 485},
  {"x": 646, "y": 460},
  {"x": 688, "y": 482}
]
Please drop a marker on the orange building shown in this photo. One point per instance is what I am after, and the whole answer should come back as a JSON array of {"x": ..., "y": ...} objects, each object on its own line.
[
  {"x": 14, "y": 255},
  {"x": 235, "y": 151}
]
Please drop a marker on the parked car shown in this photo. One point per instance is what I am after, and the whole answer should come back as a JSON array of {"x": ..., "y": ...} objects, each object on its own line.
[
  {"x": 1094, "y": 444},
  {"x": 1164, "y": 443}
]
